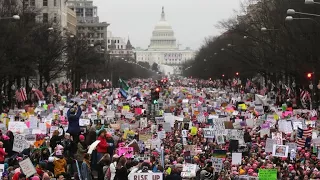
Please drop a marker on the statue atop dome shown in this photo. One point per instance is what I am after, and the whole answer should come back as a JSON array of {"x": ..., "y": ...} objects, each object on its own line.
[{"x": 163, "y": 16}]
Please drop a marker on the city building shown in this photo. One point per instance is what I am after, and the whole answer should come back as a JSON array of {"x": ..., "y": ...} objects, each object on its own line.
[
  {"x": 120, "y": 48},
  {"x": 88, "y": 24},
  {"x": 55, "y": 11},
  {"x": 71, "y": 21},
  {"x": 163, "y": 49}
]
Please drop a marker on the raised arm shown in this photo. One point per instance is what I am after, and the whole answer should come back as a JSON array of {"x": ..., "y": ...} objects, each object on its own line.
[{"x": 79, "y": 112}]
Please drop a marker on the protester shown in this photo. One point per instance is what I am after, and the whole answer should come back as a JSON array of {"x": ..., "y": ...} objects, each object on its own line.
[
  {"x": 86, "y": 173},
  {"x": 56, "y": 139},
  {"x": 73, "y": 115},
  {"x": 103, "y": 145},
  {"x": 121, "y": 170},
  {"x": 82, "y": 148},
  {"x": 216, "y": 133}
]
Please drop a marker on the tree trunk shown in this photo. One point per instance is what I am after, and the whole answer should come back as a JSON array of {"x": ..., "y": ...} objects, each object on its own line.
[
  {"x": 10, "y": 93},
  {"x": 40, "y": 82}
]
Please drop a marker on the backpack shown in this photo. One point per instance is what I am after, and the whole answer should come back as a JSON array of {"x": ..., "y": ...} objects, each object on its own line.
[{"x": 108, "y": 174}]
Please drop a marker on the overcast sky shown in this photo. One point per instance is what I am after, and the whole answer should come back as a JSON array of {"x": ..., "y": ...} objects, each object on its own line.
[{"x": 191, "y": 20}]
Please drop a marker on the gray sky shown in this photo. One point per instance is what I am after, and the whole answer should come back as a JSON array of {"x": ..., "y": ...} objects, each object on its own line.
[{"x": 191, "y": 20}]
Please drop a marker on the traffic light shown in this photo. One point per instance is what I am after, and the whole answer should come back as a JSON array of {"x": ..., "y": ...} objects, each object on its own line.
[
  {"x": 155, "y": 95},
  {"x": 309, "y": 75}
]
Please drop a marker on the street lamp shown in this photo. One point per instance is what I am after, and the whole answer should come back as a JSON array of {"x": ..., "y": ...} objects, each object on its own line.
[
  {"x": 290, "y": 18},
  {"x": 264, "y": 29},
  {"x": 50, "y": 29},
  {"x": 292, "y": 12},
  {"x": 311, "y": 2},
  {"x": 245, "y": 37},
  {"x": 222, "y": 49},
  {"x": 16, "y": 17}
]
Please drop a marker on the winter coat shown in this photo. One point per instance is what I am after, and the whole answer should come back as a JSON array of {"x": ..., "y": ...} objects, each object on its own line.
[
  {"x": 103, "y": 145},
  {"x": 73, "y": 119}
]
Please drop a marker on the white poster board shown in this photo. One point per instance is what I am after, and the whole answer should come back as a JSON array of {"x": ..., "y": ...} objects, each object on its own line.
[
  {"x": 17, "y": 126},
  {"x": 27, "y": 167},
  {"x": 19, "y": 143},
  {"x": 146, "y": 176}
]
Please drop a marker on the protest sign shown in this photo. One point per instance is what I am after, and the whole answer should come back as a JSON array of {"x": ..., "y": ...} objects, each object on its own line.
[
  {"x": 208, "y": 132},
  {"x": 236, "y": 158},
  {"x": 217, "y": 163},
  {"x": 269, "y": 144},
  {"x": 30, "y": 137},
  {"x": 191, "y": 148},
  {"x": 236, "y": 135},
  {"x": 159, "y": 120},
  {"x": 267, "y": 174},
  {"x": 84, "y": 122},
  {"x": 218, "y": 126},
  {"x": 17, "y": 127},
  {"x": 129, "y": 115},
  {"x": 143, "y": 157},
  {"x": 184, "y": 133},
  {"x": 27, "y": 167},
  {"x": 167, "y": 127},
  {"x": 187, "y": 156},
  {"x": 285, "y": 126},
  {"x": 33, "y": 122},
  {"x": 161, "y": 134},
  {"x": 146, "y": 176},
  {"x": 143, "y": 122},
  {"x": 126, "y": 151},
  {"x": 110, "y": 130},
  {"x": 292, "y": 146},
  {"x": 1, "y": 169},
  {"x": 220, "y": 139},
  {"x": 218, "y": 153},
  {"x": 189, "y": 170},
  {"x": 278, "y": 137},
  {"x": 19, "y": 143},
  {"x": 280, "y": 150}
]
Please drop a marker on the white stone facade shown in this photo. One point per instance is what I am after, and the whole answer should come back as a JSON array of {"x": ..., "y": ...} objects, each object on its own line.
[
  {"x": 163, "y": 48},
  {"x": 50, "y": 11}
]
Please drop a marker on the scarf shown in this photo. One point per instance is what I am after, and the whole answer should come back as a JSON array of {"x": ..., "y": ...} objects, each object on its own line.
[{"x": 88, "y": 163}]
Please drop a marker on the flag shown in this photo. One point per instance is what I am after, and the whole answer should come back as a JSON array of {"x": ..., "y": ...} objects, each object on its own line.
[
  {"x": 302, "y": 135},
  {"x": 305, "y": 97},
  {"x": 123, "y": 84},
  {"x": 38, "y": 94},
  {"x": 21, "y": 95},
  {"x": 123, "y": 93}
]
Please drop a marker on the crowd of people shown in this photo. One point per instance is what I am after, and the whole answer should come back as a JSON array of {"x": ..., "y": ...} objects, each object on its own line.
[{"x": 192, "y": 133}]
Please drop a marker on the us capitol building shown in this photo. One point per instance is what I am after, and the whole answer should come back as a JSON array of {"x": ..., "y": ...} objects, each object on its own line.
[{"x": 164, "y": 50}]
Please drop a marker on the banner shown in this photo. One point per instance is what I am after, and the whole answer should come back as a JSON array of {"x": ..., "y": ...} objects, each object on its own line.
[{"x": 146, "y": 176}]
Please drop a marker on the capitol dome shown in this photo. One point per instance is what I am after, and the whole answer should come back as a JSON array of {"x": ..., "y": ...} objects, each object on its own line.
[{"x": 163, "y": 35}]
